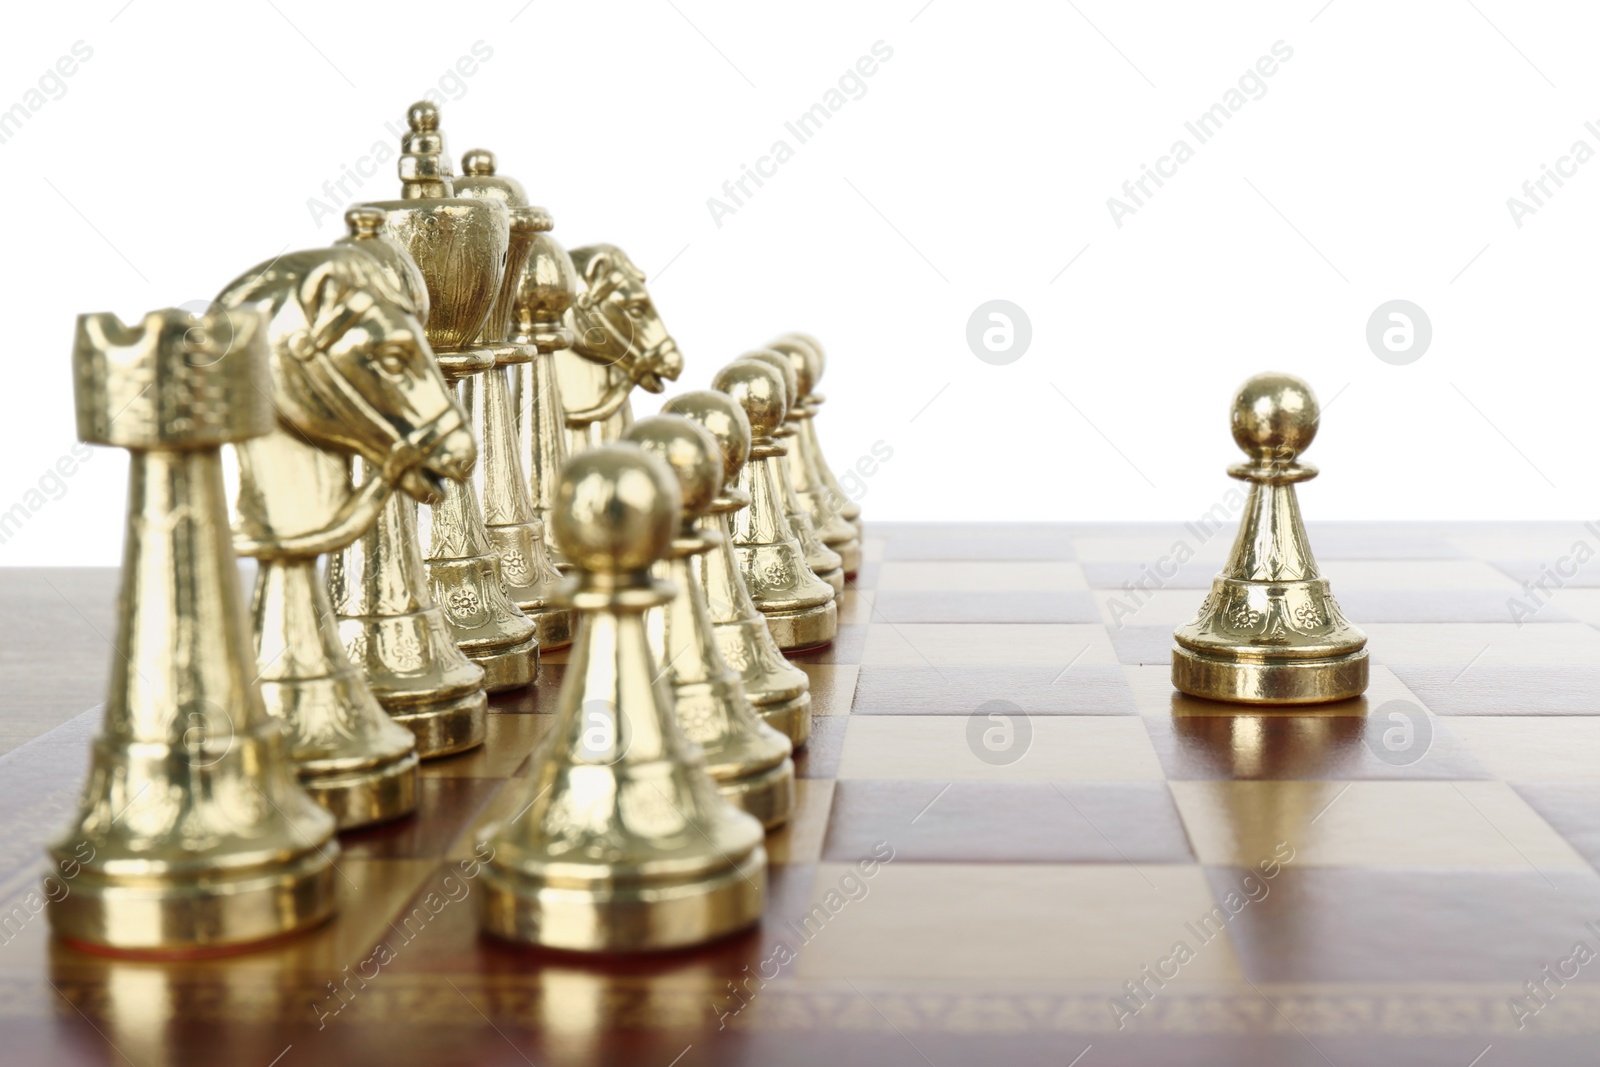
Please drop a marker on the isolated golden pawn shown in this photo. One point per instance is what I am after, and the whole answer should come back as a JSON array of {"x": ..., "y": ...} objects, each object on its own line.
[
  {"x": 192, "y": 834},
  {"x": 848, "y": 508},
  {"x": 1270, "y": 631},
  {"x": 825, "y": 507},
  {"x": 778, "y": 690},
  {"x": 824, "y": 562},
  {"x": 748, "y": 759},
  {"x": 799, "y": 606},
  {"x": 624, "y": 844}
]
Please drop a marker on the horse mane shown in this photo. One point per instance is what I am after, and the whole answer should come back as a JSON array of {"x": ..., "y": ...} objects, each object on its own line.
[
  {"x": 324, "y": 285},
  {"x": 595, "y": 261}
]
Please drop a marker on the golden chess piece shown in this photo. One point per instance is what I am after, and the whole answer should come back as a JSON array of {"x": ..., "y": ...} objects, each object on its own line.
[
  {"x": 461, "y": 245},
  {"x": 824, "y": 562},
  {"x": 624, "y": 844},
  {"x": 548, "y": 288},
  {"x": 779, "y": 691},
  {"x": 513, "y": 524},
  {"x": 351, "y": 375},
  {"x": 849, "y": 510},
  {"x": 1270, "y": 632},
  {"x": 799, "y": 607},
  {"x": 821, "y": 504},
  {"x": 199, "y": 834},
  {"x": 747, "y": 759},
  {"x": 619, "y": 342}
]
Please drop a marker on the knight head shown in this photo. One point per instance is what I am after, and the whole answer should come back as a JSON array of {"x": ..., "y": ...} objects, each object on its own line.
[
  {"x": 616, "y": 321},
  {"x": 352, "y": 370}
]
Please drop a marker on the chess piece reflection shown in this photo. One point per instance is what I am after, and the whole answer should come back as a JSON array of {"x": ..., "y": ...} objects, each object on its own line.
[
  {"x": 824, "y": 506},
  {"x": 747, "y": 759},
  {"x": 799, "y": 606},
  {"x": 625, "y": 843},
  {"x": 461, "y": 246},
  {"x": 1270, "y": 631},
  {"x": 517, "y": 530},
  {"x": 619, "y": 342},
  {"x": 824, "y": 562},
  {"x": 351, "y": 375},
  {"x": 390, "y": 626},
  {"x": 200, "y": 835},
  {"x": 848, "y": 508},
  {"x": 779, "y": 691}
]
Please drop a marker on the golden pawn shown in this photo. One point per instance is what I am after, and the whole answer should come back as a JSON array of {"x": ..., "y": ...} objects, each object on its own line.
[
  {"x": 824, "y": 562},
  {"x": 540, "y": 319},
  {"x": 779, "y": 691},
  {"x": 821, "y": 504},
  {"x": 199, "y": 836},
  {"x": 849, "y": 510},
  {"x": 510, "y": 518},
  {"x": 462, "y": 245},
  {"x": 747, "y": 759},
  {"x": 624, "y": 845},
  {"x": 1270, "y": 631},
  {"x": 799, "y": 606}
]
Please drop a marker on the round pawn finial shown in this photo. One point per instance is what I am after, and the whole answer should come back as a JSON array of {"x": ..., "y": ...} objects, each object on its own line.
[
  {"x": 802, "y": 358},
  {"x": 759, "y": 388},
  {"x": 477, "y": 161},
  {"x": 616, "y": 509},
  {"x": 816, "y": 349},
  {"x": 1275, "y": 417},
  {"x": 365, "y": 220},
  {"x": 423, "y": 115},
  {"x": 690, "y": 451},
  {"x": 724, "y": 419},
  {"x": 780, "y": 363}
]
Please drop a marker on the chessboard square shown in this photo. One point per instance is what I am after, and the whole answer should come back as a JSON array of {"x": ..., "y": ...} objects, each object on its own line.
[
  {"x": 1339, "y": 924},
  {"x": 1576, "y": 603},
  {"x": 508, "y": 740},
  {"x": 800, "y": 839},
  {"x": 833, "y": 686},
  {"x": 1370, "y": 824},
  {"x": 446, "y": 807},
  {"x": 1007, "y": 822},
  {"x": 855, "y": 606},
  {"x": 1534, "y": 748},
  {"x": 1415, "y": 575},
  {"x": 981, "y": 577},
  {"x": 1123, "y": 575},
  {"x": 819, "y": 757},
  {"x": 1164, "y": 608},
  {"x": 961, "y": 690},
  {"x": 921, "y": 644},
  {"x": 1370, "y": 606},
  {"x": 975, "y": 922},
  {"x": 1160, "y": 546},
  {"x": 916, "y": 606},
  {"x": 978, "y": 541},
  {"x": 1547, "y": 542},
  {"x": 1142, "y": 645},
  {"x": 1365, "y": 540},
  {"x": 1570, "y": 807},
  {"x": 846, "y": 647},
  {"x": 1529, "y": 573},
  {"x": 1341, "y": 741},
  {"x": 1482, "y": 644},
  {"x": 946, "y": 748},
  {"x": 1504, "y": 690}
]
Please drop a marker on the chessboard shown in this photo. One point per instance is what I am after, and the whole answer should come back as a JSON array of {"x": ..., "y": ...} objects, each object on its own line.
[{"x": 1014, "y": 843}]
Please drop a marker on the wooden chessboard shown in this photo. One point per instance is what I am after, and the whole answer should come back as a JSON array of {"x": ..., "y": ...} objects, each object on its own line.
[{"x": 1364, "y": 883}]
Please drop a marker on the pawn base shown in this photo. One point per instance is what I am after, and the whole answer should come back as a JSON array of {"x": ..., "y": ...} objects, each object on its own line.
[
  {"x": 623, "y": 917},
  {"x": 217, "y": 913},
  {"x": 834, "y": 578},
  {"x": 369, "y": 796},
  {"x": 1270, "y": 681},
  {"x": 507, "y": 668},
  {"x": 849, "y": 553},
  {"x": 767, "y": 795},
  {"x": 443, "y": 729},
  {"x": 552, "y": 627},
  {"x": 792, "y": 718},
  {"x": 794, "y": 631}
]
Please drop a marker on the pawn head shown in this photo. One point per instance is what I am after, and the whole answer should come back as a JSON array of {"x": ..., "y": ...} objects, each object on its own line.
[
  {"x": 478, "y": 162},
  {"x": 802, "y": 359},
  {"x": 779, "y": 362},
  {"x": 1275, "y": 417},
  {"x": 816, "y": 350},
  {"x": 759, "y": 388},
  {"x": 724, "y": 419},
  {"x": 690, "y": 451},
  {"x": 616, "y": 509}
]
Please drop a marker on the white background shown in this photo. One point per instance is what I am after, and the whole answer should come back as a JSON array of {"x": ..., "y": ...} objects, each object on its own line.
[{"x": 976, "y": 166}]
